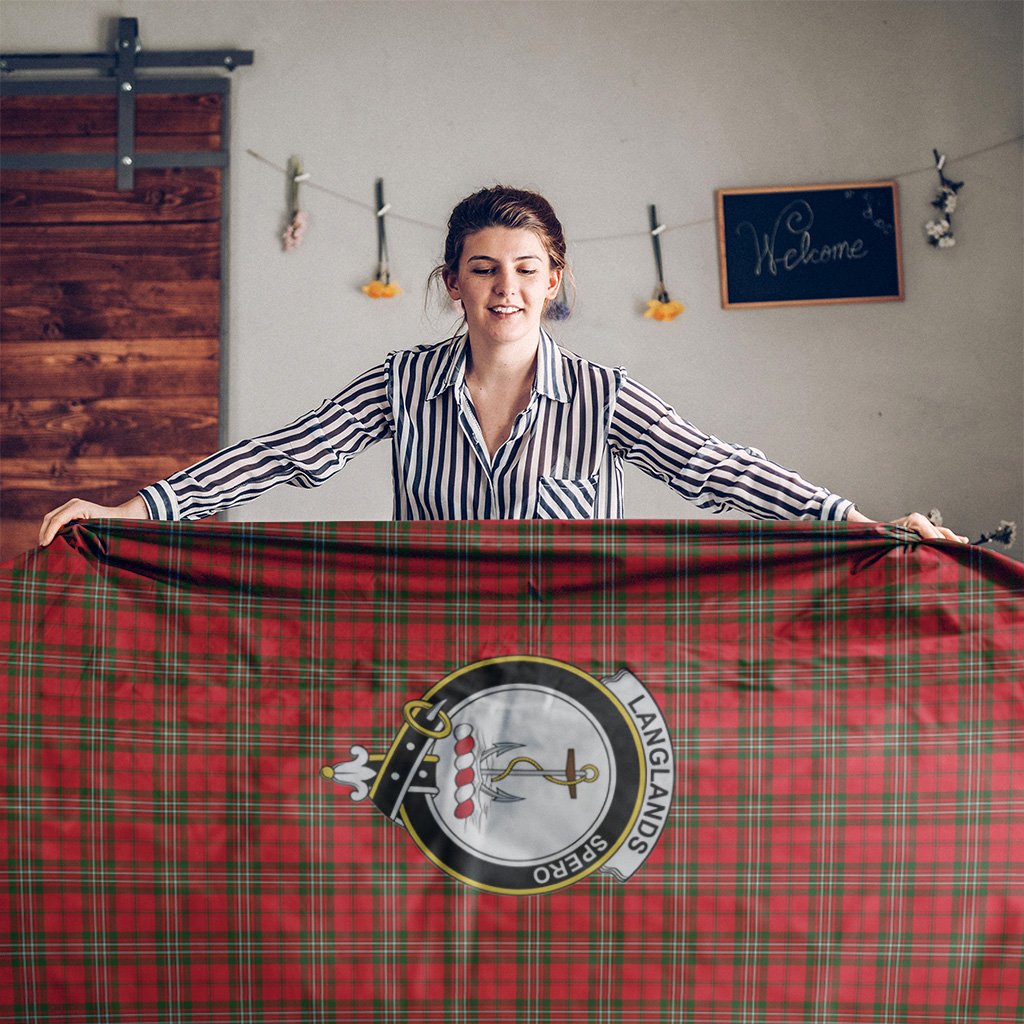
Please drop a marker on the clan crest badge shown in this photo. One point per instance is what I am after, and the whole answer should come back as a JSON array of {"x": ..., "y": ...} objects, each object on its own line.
[{"x": 522, "y": 775}]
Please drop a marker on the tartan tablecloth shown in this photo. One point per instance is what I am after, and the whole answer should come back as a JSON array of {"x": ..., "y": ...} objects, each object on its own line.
[{"x": 605, "y": 772}]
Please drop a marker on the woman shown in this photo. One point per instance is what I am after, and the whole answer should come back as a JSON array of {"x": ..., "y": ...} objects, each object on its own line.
[{"x": 497, "y": 422}]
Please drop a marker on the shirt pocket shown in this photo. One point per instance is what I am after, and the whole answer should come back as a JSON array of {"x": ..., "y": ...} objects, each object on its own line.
[{"x": 566, "y": 498}]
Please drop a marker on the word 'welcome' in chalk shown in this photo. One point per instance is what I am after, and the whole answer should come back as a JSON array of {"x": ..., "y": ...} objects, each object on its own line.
[{"x": 797, "y": 219}]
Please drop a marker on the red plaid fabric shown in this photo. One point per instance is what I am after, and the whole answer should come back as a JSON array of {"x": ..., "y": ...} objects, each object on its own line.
[{"x": 840, "y": 837}]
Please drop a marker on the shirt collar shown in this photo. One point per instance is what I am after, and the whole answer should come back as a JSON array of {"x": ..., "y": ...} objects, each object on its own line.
[
  {"x": 550, "y": 379},
  {"x": 451, "y": 370},
  {"x": 551, "y": 372}
]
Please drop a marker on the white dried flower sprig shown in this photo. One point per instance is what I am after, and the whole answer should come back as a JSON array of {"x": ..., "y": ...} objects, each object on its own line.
[{"x": 940, "y": 231}]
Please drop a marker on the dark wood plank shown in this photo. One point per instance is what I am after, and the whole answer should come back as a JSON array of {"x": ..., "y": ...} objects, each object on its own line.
[
  {"x": 94, "y": 310},
  {"x": 110, "y": 369},
  {"x": 82, "y": 197},
  {"x": 85, "y": 116},
  {"x": 39, "y": 428},
  {"x": 110, "y": 252},
  {"x": 29, "y": 488}
]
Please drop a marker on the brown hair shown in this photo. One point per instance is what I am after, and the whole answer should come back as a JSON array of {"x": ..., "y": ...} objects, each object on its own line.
[{"x": 501, "y": 207}]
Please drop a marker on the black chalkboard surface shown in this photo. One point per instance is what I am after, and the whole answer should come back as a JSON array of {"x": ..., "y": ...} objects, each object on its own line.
[{"x": 812, "y": 244}]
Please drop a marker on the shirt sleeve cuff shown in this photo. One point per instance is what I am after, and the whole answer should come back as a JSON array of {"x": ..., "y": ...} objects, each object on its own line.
[
  {"x": 835, "y": 508},
  {"x": 160, "y": 500}
]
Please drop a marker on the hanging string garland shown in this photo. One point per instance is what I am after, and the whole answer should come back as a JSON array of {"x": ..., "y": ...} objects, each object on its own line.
[
  {"x": 298, "y": 218},
  {"x": 381, "y": 287},
  {"x": 661, "y": 307},
  {"x": 940, "y": 232}
]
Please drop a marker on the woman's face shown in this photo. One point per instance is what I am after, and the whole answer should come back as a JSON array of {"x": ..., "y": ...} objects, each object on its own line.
[{"x": 505, "y": 277}]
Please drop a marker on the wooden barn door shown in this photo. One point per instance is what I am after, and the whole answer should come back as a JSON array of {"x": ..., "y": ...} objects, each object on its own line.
[
  {"x": 110, "y": 310},
  {"x": 111, "y": 301}
]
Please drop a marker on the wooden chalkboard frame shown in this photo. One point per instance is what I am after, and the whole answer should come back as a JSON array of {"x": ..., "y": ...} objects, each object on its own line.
[{"x": 742, "y": 296}]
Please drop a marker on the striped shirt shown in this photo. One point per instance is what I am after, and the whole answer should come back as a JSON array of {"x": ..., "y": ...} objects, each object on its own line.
[{"x": 562, "y": 460}]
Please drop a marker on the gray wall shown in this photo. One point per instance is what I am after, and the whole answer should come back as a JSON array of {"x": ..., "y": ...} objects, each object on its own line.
[{"x": 606, "y": 107}]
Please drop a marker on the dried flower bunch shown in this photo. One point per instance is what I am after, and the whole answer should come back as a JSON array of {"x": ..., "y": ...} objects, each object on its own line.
[
  {"x": 299, "y": 219},
  {"x": 296, "y": 229},
  {"x": 558, "y": 308},
  {"x": 381, "y": 287},
  {"x": 378, "y": 289},
  {"x": 940, "y": 231},
  {"x": 661, "y": 307},
  {"x": 1005, "y": 533}
]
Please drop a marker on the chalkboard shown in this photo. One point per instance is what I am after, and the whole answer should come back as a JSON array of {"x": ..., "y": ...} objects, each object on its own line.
[{"x": 812, "y": 244}]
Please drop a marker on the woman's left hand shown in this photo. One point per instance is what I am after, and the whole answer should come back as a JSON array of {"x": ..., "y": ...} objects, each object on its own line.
[{"x": 920, "y": 524}]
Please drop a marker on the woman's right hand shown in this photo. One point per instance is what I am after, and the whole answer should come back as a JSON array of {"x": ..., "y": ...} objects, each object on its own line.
[{"x": 76, "y": 508}]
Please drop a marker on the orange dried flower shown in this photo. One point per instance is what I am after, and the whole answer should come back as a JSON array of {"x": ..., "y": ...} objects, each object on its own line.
[
  {"x": 665, "y": 311},
  {"x": 380, "y": 290}
]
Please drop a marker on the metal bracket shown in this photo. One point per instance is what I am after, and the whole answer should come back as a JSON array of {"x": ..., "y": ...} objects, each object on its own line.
[
  {"x": 123, "y": 65},
  {"x": 128, "y": 46}
]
